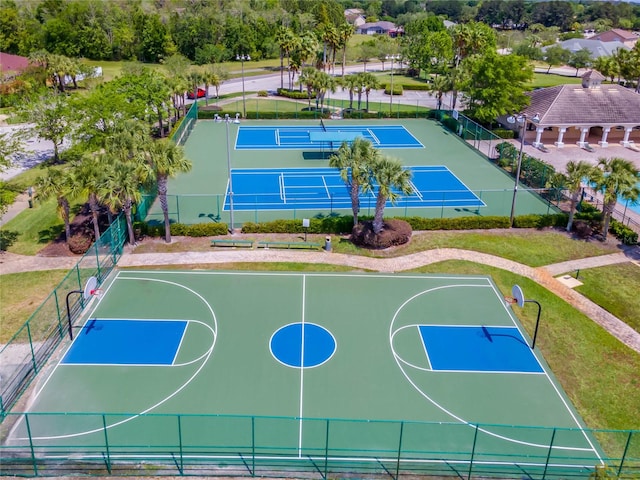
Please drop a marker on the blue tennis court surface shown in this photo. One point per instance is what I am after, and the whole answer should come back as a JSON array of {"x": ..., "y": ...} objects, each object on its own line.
[
  {"x": 127, "y": 342},
  {"x": 316, "y": 138},
  {"x": 478, "y": 349},
  {"x": 323, "y": 188}
]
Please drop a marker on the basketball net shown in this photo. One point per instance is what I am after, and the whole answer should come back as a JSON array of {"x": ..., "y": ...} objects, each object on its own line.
[{"x": 510, "y": 301}]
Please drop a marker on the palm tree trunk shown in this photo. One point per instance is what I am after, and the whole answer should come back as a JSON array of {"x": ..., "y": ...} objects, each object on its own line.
[
  {"x": 281, "y": 70},
  {"x": 355, "y": 201},
  {"x": 607, "y": 210},
  {"x": 127, "y": 214},
  {"x": 93, "y": 205},
  {"x": 64, "y": 207},
  {"x": 378, "y": 215},
  {"x": 572, "y": 209},
  {"x": 160, "y": 123},
  {"x": 162, "y": 195},
  {"x": 344, "y": 58}
]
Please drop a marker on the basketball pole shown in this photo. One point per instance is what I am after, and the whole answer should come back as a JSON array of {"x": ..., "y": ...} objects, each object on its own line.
[
  {"x": 69, "y": 311},
  {"x": 535, "y": 332}
]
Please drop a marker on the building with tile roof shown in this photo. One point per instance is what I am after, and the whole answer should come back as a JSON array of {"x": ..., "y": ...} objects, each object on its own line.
[
  {"x": 591, "y": 112},
  {"x": 11, "y": 65},
  {"x": 618, "y": 35},
  {"x": 597, "y": 48}
]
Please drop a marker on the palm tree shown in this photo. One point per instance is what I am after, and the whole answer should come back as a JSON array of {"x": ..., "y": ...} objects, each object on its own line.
[
  {"x": 353, "y": 162},
  {"x": 441, "y": 85},
  {"x": 286, "y": 40},
  {"x": 369, "y": 82},
  {"x": 392, "y": 180},
  {"x": 350, "y": 82},
  {"x": 195, "y": 79},
  {"x": 615, "y": 177},
  {"x": 121, "y": 188},
  {"x": 345, "y": 32},
  {"x": 56, "y": 183},
  {"x": 577, "y": 172},
  {"x": 88, "y": 175},
  {"x": 167, "y": 160}
]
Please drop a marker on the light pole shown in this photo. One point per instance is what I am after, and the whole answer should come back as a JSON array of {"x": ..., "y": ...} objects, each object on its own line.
[
  {"x": 242, "y": 58},
  {"x": 392, "y": 58},
  {"x": 521, "y": 120},
  {"x": 227, "y": 120}
]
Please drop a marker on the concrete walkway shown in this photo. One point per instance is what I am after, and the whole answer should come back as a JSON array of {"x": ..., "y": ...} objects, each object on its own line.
[{"x": 12, "y": 263}]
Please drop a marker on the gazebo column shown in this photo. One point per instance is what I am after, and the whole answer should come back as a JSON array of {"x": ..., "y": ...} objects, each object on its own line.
[
  {"x": 538, "y": 143},
  {"x": 559, "y": 143},
  {"x": 603, "y": 143},
  {"x": 583, "y": 135},
  {"x": 625, "y": 141}
]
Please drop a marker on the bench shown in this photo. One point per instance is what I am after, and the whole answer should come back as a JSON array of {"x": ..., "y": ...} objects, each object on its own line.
[
  {"x": 224, "y": 242},
  {"x": 307, "y": 245}
]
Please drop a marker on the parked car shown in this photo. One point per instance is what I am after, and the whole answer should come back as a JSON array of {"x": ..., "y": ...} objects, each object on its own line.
[{"x": 201, "y": 93}]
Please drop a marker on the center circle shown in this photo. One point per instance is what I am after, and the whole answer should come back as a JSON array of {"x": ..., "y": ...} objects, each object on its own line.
[{"x": 302, "y": 345}]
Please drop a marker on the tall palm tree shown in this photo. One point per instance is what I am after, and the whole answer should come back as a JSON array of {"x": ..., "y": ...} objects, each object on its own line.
[
  {"x": 440, "y": 86},
  {"x": 88, "y": 175},
  {"x": 285, "y": 38},
  {"x": 369, "y": 82},
  {"x": 576, "y": 173},
  {"x": 56, "y": 183},
  {"x": 195, "y": 79},
  {"x": 393, "y": 181},
  {"x": 167, "y": 160},
  {"x": 349, "y": 83},
  {"x": 615, "y": 177},
  {"x": 121, "y": 189},
  {"x": 354, "y": 160},
  {"x": 345, "y": 32}
]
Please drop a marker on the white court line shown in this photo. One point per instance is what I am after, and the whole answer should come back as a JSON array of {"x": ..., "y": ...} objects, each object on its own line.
[
  {"x": 326, "y": 188},
  {"x": 560, "y": 396},
  {"x": 184, "y": 334},
  {"x": 304, "y": 296},
  {"x": 373, "y": 135},
  {"x": 276, "y": 132},
  {"x": 281, "y": 184},
  {"x": 424, "y": 345},
  {"x": 415, "y": 190}
]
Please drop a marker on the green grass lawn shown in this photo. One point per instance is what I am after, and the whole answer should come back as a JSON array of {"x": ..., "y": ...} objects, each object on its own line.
[
  {"x": 530, "y": 247},
  {"x": 616, "y": 288},
  {"x": 543, "y": 80}
]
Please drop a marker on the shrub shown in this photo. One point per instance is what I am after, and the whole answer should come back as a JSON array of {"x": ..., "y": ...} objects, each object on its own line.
[
  {"x": 335, "y": 224},
  {"x": 394, "y": 232},
  {"x": 397, "y": 89},
  {"x": 263, "y": 93},
  {"x": 293, "y": 94},
  {"x": 79, "y": 243},
  {"x": 623, "y": 233},
  {"x": 7, "y": 238},
  {"x": 582, "y": 228},
  {"x": 458, "y": 223},
  {"x": 422, "y": 87},
  {"x": 450, "y": 123},
  {"x": 207, "y": 229},
  {"x": 182, "y": 230},
  {"x": 504, "y": 133}
]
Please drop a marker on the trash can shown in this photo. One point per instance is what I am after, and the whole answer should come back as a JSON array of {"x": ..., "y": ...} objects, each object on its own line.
[{"x": 327, "y": 244}]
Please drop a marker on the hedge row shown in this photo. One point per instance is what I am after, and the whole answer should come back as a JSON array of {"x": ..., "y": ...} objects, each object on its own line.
[
  {"x": 284, "y": 92},
  {"x": 397, "y": 89},
  {"x": 336, "y": 225},
  {"x": 182, "y": 230}
]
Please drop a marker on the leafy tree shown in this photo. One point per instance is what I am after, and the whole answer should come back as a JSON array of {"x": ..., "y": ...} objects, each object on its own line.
[
  {"x": 495, "y": 85},
  {"x": 215, "y": 76},
  {"x": 392, "y": 180},
  {"x": 354, "y": 160},
  {"x": 576, "y": 173},
  {"x": 167, "y": 160},
  {"x": 57, "y": 183},
  {"x": 345, "y": 32},
  {"x": 607, "y": 66},
  {"x": 51, "y": 118},
  {"x": 472, "y": 38},
  {"x": 580, "y": 59},
  {"x": 629, "y": 64},
  {"x": 439, "y": 87},
  {"x": 615, "y": 178},
  {"x": 556, "y": 55}
]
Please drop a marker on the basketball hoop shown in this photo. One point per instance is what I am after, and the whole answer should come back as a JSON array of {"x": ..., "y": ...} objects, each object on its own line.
[
  {"x": 510, "y": 301},
  {"x": 96, "y": 292}
]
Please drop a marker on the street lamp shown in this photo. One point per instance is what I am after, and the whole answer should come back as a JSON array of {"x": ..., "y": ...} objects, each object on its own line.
[
  {"x": 392, "y": 58},
  {"x": 227, "y": 120},
  {"x": 521, "y": 120},
  {"x": 242, "y": 58}
]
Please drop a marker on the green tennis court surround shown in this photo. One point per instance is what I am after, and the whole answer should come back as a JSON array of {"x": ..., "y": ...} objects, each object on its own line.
[{"x": 309, "y": 372}]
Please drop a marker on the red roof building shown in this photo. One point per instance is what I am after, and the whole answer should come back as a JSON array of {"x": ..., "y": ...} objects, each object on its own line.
[
  {"x": 12, "y": 64},
  {"x": 617, "y": 35}
]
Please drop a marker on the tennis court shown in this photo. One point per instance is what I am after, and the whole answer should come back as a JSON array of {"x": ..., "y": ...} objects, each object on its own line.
[
  {"x": 201, "y": 195},
  {"x": 323, "y": 188},
  {"x": 311, "y": 137},
  {"x": 302, "y": 367}
]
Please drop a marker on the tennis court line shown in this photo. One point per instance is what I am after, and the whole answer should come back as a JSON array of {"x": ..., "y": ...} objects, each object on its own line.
[
  {"x": 416, "y": 191},
  {"x": 373, "y": 135},
  {"x": 276, "y": 132},
  {"x": 184, "y": 334},
  {"x": 281, "y": 184},
  {"x": 326, "y": 188},
  {"x": 426, "y": 353}
]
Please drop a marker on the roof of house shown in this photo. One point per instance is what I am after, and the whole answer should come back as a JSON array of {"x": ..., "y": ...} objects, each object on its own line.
[
  {"x": 351, "y": 14},
  {"x": 575, "y": 105},
  {"x": 596, "y": 47},
  {"x": 382, "y": 25},
  {"x": 615, "y": 34},
  {"x": 12, "y": 63}
]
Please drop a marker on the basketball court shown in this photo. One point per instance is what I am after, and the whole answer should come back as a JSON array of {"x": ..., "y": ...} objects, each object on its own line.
[{"x": 347, "y": 368}]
